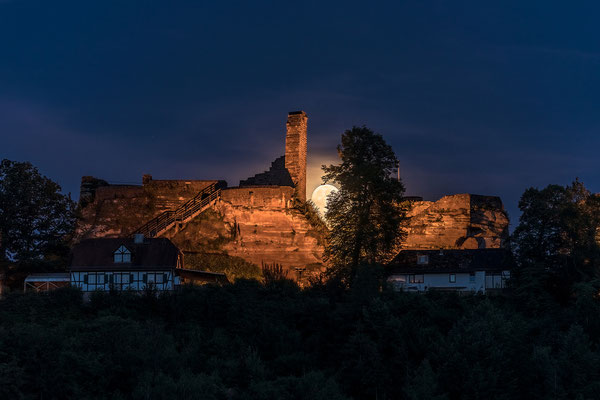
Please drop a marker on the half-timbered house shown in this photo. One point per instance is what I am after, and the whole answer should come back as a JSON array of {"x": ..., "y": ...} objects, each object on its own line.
[{"x": 133, "y": 263}]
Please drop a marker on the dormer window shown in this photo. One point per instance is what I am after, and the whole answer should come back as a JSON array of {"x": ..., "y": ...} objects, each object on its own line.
[
  {"x": 122, "y": 255},
  {"x": 422, "y": 260}
]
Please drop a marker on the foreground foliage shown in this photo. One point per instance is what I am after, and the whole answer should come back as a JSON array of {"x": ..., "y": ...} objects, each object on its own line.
[
  {"x": 36, "y": 223},
  {"x": 556, "y": 243},
  {"x": 35, "y": 217},
  {"x": 275, "y": 341},
  {"x": 233, "y": 267}
]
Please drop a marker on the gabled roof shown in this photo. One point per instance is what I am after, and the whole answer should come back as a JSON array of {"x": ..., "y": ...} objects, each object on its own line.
[
  {"x": 98, "y": 254},
  {"x": 445, "y": 261}
]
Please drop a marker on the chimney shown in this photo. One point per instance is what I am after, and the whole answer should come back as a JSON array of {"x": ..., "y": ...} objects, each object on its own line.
[{"x": 295, "y": 150}]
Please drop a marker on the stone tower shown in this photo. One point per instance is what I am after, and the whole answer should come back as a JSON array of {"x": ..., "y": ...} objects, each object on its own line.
[{"x": 295, "y": 150}]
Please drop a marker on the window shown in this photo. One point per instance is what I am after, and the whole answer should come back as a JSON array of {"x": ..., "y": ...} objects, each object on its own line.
[
  {"x": 155, "y": 277},
  {"x": 95, "y": 278},
  {"x": 422, "y": 260},
  {"x": 495, "y": 280},
  {"x": 472, "y": 277},
  {"x": 416, "y": 278},
  {"x": 121, "y": 278},
  {"x": 452, "y": 278},
  {"x": 122, "y": 255}
]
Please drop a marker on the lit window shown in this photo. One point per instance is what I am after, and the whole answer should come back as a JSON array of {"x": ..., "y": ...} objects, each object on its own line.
[
  {"x": 452, "y": 278},
  {"x": 422, "y": 260},
  {"x": 122, "y": 255},
  {"x": 416, "y": 278}
]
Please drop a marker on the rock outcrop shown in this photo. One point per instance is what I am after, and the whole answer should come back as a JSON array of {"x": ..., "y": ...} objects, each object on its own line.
[
  {"x": 259, "y": 225},
  {"x": 461, "y": 221}
]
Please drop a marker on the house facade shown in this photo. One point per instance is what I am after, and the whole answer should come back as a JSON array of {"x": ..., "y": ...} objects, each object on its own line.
[
  {"x": 474, "y": 270},
  {"x": 125, "y": 264}
]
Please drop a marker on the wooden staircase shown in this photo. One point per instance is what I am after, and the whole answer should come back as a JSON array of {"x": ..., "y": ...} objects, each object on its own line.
[{"x": 182, "y": 214}]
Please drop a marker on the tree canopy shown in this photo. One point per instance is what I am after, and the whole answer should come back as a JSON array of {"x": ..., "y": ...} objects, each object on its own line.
[
  {"x": 365, "y": 213},
  {"x": 35, "y": 217},
  {"x": 556, "y": 241},
  {"x": 275, "y": 341}
]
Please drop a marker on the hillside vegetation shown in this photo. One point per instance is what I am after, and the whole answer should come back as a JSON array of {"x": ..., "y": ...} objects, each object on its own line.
[{"x": 274, "y": 341}]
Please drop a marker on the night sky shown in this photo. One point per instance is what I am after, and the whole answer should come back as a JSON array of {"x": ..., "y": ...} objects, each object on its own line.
[{"x": 473, "y": 97}]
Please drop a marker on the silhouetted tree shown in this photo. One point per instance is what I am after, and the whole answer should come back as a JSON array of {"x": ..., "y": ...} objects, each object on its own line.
[
  {"x": 365, "y": 214},
  {"x": 35, "y": 218},
  {"x": 556, "y": 242}
]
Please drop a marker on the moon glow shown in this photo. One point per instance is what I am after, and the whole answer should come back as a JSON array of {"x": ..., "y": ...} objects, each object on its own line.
[{"x": 319, "y": 197}]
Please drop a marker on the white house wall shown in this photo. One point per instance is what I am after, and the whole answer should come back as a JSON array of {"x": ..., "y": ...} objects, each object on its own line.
[
  {"x": 442, "y": 281},
  {"x": 135, "y": 281}
]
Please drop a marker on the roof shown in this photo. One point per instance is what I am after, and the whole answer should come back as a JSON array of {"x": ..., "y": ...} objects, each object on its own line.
[
  {"x": 49, "y": 277},
  {"x": 202, "y": 276},
  {"x": 98, "y": 254},
  {"x": 444, "y": 261}
]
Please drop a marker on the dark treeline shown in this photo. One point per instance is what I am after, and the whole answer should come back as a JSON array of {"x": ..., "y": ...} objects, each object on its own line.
[{"x": 274, "y": 341}]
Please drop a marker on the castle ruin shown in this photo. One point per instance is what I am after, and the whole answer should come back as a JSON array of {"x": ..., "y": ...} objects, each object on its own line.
[{"x": 257, "y": 221}]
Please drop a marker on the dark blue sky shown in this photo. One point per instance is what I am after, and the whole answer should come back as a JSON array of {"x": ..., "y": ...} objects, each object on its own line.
[{"x": 473, "y": 97}]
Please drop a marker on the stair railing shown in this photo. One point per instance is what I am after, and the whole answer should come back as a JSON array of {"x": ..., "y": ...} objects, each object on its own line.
[{"x": 182, "y": 213}]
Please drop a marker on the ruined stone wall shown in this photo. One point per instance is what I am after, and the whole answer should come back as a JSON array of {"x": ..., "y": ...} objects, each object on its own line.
[
  {"x": 277, "y": 175},
  {"x": 170, "y": 194},
  {"x": 462, "y": 221},
  {"x": 116, "y": 215},
  {"x": 295, "y": 150},
  {"x": 117, "y": 210},
  {"x": 259, "y": 196}
]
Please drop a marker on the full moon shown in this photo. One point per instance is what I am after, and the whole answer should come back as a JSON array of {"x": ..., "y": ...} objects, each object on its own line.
[{"x": 319, "y": 197}]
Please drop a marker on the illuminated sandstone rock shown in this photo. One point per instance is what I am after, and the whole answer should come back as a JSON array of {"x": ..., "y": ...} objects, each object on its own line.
[
  {"x": 461, "y": 221},
  {"x": 258, "y": 225}
]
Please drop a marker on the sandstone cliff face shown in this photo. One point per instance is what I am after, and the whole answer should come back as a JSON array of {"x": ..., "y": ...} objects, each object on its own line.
[
  {"x": 462, "y": 221},
  {"x": 263, "y": 229}
]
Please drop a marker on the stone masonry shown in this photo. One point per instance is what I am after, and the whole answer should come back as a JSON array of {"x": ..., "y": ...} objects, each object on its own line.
[
  {"x": 295, "y": 150},
  {"x": 460, "y": 221},
  {"x": 277, "y": 175}
]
